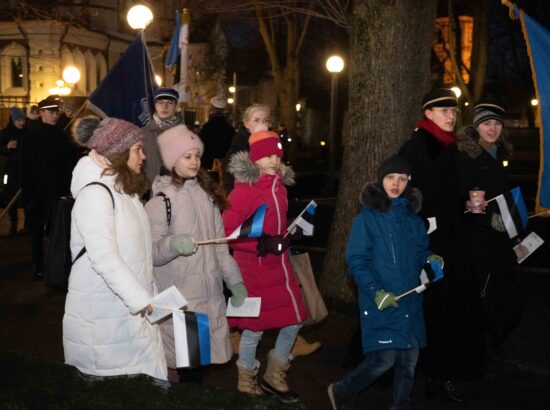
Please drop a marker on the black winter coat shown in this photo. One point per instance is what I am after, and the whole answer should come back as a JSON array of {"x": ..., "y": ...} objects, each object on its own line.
[
  {"x": 238, "y": 143},
  {"x": 216, "y": 136},
  {"x": 11, "y": 169}
]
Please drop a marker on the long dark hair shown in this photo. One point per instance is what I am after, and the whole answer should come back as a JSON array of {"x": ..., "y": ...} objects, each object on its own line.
[
  {"x": 126, "y": 180},
  {"x": 208, "y": 185}
]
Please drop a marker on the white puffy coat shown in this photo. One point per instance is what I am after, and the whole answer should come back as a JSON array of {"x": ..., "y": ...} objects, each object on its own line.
[
  {"x": 103, "y": 334},
  {"x": 199, "y": 277}
]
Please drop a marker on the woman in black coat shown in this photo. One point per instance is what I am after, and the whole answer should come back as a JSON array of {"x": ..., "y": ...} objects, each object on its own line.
[{"x": 482, "y": 151}]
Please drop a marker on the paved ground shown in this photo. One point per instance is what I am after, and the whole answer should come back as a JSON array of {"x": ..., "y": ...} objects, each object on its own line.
[{"x": 30, "y": 322}]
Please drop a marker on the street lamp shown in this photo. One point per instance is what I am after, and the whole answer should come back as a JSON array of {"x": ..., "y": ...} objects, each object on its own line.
[
  {"x": 335, "y": 65},
  {"x": 71, "y": 75},
  {"x": 139, "y": 17}
]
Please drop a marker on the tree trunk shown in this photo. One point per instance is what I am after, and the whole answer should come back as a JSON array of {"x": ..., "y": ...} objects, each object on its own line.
[{"x": 390, "y": 43}]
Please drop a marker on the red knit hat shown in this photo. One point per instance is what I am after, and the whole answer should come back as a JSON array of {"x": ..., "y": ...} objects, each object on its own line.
[{"x": 264, "y": 144}]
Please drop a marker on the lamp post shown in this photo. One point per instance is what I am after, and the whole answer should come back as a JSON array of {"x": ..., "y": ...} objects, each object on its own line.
[
  {"x": 233, "y": 90},
  {"x": 334, "y": 65}
]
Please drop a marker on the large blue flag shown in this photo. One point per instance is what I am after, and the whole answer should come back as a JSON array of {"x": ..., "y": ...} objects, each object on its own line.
[
  {"x": 174, "y": 50},
  {"x": 126, "y": 92},
  {"x": 538, "y": 46}
]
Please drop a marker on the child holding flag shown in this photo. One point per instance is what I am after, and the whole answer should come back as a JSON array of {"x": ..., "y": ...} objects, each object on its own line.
[
  {"x": 187, "y": 200},
  {"x": 387, "y": 248},
  {"x": 261, "y": 178}
]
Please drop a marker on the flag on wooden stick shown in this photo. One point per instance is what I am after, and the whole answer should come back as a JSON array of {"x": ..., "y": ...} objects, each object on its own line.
[
  {"x": 191, "y": 339},
  {"x": 513, "y": 211},
  {"x": 304, "y": 220},
  {"x": 252, "y": 227}
]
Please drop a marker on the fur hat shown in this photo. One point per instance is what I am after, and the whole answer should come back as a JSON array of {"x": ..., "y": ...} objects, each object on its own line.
[
  {"x": 442, "y": 97},
  {"x": 166, "y": 93},
  {"x": 488, "y": 109},
  {"x": 176, "y": 141},
  {"x": 218, "y": 102},
  {"x": 393, "y": 165},
  {"x": 264, "y": 144},
  {"x": 16, "y": 114},
  {"x": 108, "y": 136}
]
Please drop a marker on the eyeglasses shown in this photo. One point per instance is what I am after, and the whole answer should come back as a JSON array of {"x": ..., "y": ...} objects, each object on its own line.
[
  {"x": 447, "y": 111},
  {"x": 166, "y": 103}
]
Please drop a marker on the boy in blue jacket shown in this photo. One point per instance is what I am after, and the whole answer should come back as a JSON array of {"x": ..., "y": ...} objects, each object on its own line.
[{"x": 386, "y": 250}]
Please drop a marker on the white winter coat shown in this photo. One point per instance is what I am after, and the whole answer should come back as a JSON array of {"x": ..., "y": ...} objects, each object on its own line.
[
  {"x": 199, "y": 277},
  {"x": 103, "y": 334}
]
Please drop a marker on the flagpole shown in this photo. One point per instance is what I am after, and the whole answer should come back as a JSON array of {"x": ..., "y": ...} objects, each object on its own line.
[
  {"x": 539, "y": 214},
  {"x": 211, "y": 241},
  {"x": 294, "y": 221},
  {"x": 406, "y": 293},
  {"x": 75, "y": 117}
]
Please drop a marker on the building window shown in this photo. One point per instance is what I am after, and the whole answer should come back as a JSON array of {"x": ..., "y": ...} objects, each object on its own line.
[{"x": 16, "y": 72}]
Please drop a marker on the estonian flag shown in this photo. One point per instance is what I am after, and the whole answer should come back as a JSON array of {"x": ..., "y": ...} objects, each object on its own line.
[
  {"x": 431, "y": 272},
  {"x": 305, "y": 220},
  {"x": 191, "y": 339},
  {"x": 252, "y": 227},
  {"x": 513, "y": 211},
  {"x": 173, "y": 53}
]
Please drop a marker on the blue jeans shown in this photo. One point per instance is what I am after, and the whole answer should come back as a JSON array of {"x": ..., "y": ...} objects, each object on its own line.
[
  {"x": 373, "y": 366},
  {"x": 283, "y": 345}
]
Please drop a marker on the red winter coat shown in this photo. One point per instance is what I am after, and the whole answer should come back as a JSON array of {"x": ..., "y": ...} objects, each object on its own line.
[{"x": 270, "y": 277}]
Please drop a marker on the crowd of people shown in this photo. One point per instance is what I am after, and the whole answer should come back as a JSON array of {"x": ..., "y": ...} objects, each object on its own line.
[{"x": 146, "y": 198}]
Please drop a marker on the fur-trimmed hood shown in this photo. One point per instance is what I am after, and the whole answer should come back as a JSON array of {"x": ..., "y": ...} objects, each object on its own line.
[
  {"x": 245, "y": 171},
  {"x": 374, "y": 197},
  {"x": 468, "y": 139}
]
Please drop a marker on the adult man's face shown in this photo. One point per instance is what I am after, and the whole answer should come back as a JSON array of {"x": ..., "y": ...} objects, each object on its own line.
[
  {"x": 165, "y": 108},
  {"x": 49, "y": 116}
]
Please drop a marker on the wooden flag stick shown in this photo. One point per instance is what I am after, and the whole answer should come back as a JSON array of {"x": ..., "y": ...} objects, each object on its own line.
[
  {"x": 210, "y": 241},
  {"x": 405, "y": 294},
  {"x": 539, "y": 214},
  {"x": 490, "y": 200}
]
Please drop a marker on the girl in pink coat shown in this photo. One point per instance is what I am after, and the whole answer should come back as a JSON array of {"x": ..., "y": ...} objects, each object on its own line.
[{"x": 264, "y": 263}]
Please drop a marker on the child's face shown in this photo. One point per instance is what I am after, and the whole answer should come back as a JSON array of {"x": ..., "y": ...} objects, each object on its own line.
[
  {"x": 258, "y": 121},
  {"x": 394, "y": 184},
  {"x": 269, "y": 165},
  {"x": 187, "y": 166}
]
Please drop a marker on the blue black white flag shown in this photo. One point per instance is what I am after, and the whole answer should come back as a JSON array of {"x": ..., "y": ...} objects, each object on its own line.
[
  {"x": 513, "y": 211},
  {"x": 126, "y": 92},
  {"x": 252, "y": 227},
  {"x": 173, "y": 53},
  {"x": 304, "y": 220},
  {"x": 537, "y": 38},
  {"x": 191, "y": 339}
]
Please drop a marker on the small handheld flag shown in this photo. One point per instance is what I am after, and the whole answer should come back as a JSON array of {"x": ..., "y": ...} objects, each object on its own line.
[
  {"x": 304, "y": 220},
  {"x": 191, "y": 339},
  {"x": 431, "y": 273},
  {"x": 252, "y": 227},
  {"x": 513, "y": 211}
]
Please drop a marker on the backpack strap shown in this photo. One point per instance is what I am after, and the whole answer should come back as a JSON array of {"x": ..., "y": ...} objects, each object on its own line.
[
  {"x": 83, "y": 250},
  {"x": 168, "y": 205}
]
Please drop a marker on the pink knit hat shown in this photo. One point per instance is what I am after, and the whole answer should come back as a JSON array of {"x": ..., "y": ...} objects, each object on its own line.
[
  {"x": 108, "y": 136},
  {"x": 176, "y": 141},
  {"x": 264, "y": 144}
]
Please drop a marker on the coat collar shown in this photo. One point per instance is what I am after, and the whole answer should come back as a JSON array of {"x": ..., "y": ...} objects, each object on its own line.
[
  {"x": 374, "y": 197},
  {"x": 245, "y": 171}
]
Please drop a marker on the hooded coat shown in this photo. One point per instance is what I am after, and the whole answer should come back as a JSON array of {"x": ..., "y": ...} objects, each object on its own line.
[
  {"x": 387, "y": 248},
  {"x": 270, "y": 277},
  {"x": 200, "y": 276},
  {"x": 103, "y": 332}
]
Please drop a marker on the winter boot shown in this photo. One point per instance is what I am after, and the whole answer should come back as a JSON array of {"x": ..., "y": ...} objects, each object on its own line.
[
  {"x": 303, "y": 348},
  {"x": 248, "y": 380},
  {"x": 235, "y": 337},
  {"x": 274, "y": 380}
]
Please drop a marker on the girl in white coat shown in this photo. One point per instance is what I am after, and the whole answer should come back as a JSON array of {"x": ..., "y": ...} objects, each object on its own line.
[
  {"x": 198, "y": 272},
  {"x": 111, "y": 284}
]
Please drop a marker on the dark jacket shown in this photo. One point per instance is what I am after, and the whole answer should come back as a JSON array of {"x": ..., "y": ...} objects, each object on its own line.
[
  {"x": 46, "y": 165},
  {"x": 11, "y": 169},
  {"x": 216, "y": 136},
  {"x": 238, "y": 143},
  {"x": 387, "y": 248}
]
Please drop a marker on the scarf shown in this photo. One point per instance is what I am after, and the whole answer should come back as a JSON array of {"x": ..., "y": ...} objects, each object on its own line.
[
  {"x": 444, "y": 137},
  {"x": 168, "y": 123}
]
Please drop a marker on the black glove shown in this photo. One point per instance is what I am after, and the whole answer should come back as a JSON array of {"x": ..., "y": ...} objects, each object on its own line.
[
  {"x": 275, "y": 245},
  {"x": 298, "y": 234}
]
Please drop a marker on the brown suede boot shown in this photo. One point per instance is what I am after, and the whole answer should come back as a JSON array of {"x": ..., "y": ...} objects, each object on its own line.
[
  {"x": 303, "y": 348},
  {"x": 248, "y": 380},
  {"x": 235, "y": 338},
  {"x": 274, "y": 380}
]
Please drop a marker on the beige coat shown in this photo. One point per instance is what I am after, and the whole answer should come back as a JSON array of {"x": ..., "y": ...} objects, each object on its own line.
[{"x": 199, "y": 276}]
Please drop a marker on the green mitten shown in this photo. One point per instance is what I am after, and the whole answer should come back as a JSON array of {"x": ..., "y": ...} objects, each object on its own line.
[
  {"x": 385, "y": 299},
  {"x": 433, "y": 257},
  {"x": 183, "y": 244},
  {"x": 239, "y": 292}
]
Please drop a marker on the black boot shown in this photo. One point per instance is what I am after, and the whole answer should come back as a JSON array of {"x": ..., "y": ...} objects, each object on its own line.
[{"x": 446, "y": 388}]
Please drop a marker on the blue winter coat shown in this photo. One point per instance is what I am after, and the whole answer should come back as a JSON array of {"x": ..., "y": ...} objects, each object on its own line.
[{"x": 387, "y": 248}]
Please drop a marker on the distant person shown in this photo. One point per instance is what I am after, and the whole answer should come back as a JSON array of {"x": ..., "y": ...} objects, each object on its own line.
[
  {"x": 46, "y": 163},
  {"x": 199, "y": 272},
  {"x": 33, "y": 117},
  {"x": 482, "y": 150},
  {"x": 265, "y": 265},
  {"x": 111, "y": 284},
  {"x": 11, "y": 137},
  {"x": 166, "y": 115},
  {"x": 66, "y": 116},
  {"x": 384, "y": 263},
  {"x": 196, "y": 127},
  {"x": 431, "y": 152},
  {"x": 216, "y": 133}
]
